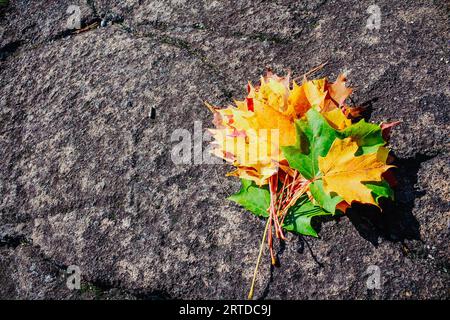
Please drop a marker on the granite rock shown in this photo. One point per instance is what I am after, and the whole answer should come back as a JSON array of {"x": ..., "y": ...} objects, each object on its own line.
[{"x": 86, "y": 124}]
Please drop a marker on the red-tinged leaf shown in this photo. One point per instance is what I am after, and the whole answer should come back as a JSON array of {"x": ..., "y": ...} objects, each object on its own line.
[
  {"x": 386, "y": 129},
  {"x": 250, "y": 105},
  {"x": 342, "y": 206}
]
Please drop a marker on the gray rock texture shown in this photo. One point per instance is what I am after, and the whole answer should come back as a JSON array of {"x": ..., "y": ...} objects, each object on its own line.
[{"x": 86, "y": 176}]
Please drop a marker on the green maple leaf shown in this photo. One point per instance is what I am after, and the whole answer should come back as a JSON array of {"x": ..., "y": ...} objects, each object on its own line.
[
  {"x": 327, "y": 201},
  {"x": 257, "y": 201},
  {"x": 253, "y": 198},
  {"x": 314, "y": 139},
  {"x": 380, "y": 189},
  {"x": 298, "y": 218},
  {"x": 367, "y": 135}
]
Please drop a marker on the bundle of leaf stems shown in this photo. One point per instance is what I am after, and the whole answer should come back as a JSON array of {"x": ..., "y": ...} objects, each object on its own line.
[{"x": 280, "y": 202}]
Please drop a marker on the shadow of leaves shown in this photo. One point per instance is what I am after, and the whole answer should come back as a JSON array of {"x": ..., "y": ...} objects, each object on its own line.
[{"x": 396, "y": 222}]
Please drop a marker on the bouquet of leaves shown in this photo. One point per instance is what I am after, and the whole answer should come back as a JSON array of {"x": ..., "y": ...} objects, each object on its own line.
[{"x": 301, "y": 152}]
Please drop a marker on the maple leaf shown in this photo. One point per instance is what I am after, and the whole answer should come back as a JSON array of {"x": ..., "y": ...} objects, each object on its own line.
[
  {"x": 344, "y": 173},
  {"x": 299, "y": 217},
  {"x": 314, "y": 139},
  {"x": 368, "y": 136},
  {"x": 338, "y": 91},
  {"x": 257, "y": 201},
  {"x": 274, "y": 105},
  {"x": 326, "y": 200},
  {"x": 253, "y": 198},
  {"x": 337, "y": 119},
  {"x": 315, "y": 92}
]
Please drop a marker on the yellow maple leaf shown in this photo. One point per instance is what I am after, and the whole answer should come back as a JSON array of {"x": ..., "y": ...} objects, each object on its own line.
[
  {"x": 315, "y": 92},
  {"x": 264, "y": 122},
  {"x": 337, "y": 119},
  {"x": 343, "y": 172}
]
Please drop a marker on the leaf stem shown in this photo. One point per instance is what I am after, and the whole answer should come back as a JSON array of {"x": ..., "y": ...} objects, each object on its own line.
[
  {"x": 313, "y": 70},
  {"x": 255, "y": 272}
]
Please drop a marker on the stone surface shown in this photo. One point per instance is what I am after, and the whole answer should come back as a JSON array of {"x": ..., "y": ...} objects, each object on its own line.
[{"x": 86, "y": 176}]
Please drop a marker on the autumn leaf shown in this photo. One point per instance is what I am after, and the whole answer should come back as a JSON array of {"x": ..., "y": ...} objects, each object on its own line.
[
  {"x": 274, "y": 105},
  {"x": 368, "y": 136},
  {"x": 337, "y": 119},
  {"x": 314, "y": 138},
  {"x": 299, "y": 217},
  {"x": 315, "y": 92},
  {"x": 338, "y": 91},
  {"x": 380, "y": 189},
  {"x": 298, "y": 154},
  {"x": 344, "y": 173},
  {"x": 257, "y": 200},
  {"x": 253, "y": 198},
  {"x": 324, "y": 199}
]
